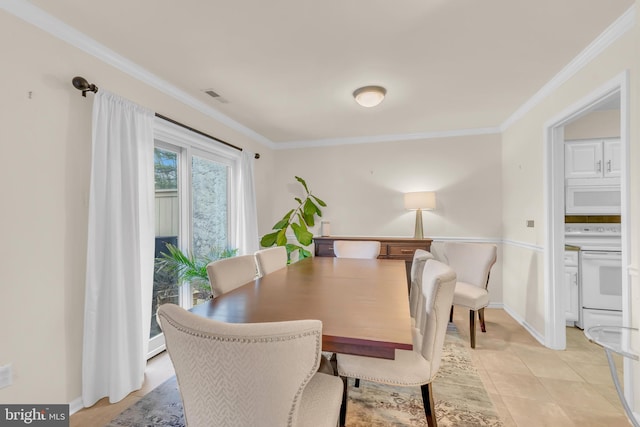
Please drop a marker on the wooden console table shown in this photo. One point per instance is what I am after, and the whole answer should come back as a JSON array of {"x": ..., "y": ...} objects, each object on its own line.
[{"x": 390, "y": 248}]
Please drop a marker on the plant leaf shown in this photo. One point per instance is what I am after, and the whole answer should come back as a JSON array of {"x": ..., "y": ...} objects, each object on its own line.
[
  {"x": 304, "y": 253},
  {"x": 310, "y": 208},
  {"x": 309, "y": 220},
  {"x": 269, "y": 239},
  {"x": 297, "y": 199},
  {"x": 320, "y": 202},
  {"x": 304, "y": 184},
  {"x": 284, "y": 221},
  {"x": 281, "y": 238},
  {"x": 302, "y": 234}
]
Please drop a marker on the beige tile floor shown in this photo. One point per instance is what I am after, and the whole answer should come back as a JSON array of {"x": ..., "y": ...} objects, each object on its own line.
[{"x": 530, "y": 386}]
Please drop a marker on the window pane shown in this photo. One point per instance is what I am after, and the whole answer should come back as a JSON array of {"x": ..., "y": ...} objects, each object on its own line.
[
  {"x": 166, "y": 229},
  {"x": 209, "y": 212}
]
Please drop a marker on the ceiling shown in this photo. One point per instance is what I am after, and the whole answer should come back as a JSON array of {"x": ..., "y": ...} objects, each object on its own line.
[{"x": 287, "y": 68}]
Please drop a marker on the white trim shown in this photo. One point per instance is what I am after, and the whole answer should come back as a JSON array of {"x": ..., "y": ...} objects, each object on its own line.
[
  {"x": 526, "y": 326},
  {"x": 384, "y": 138},
  {"x": 52, "y": 25},
  {"x": 75, "y": 405},
  {"x": 525, "y": 245},
  {"x": 617, "y": 29}
]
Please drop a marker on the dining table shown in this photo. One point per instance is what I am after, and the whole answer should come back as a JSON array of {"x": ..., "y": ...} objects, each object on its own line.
[{"x": 363, "y": 303}]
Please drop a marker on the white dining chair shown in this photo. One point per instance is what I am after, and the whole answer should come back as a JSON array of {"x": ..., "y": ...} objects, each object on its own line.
[
  {"x": 420, "y": 257},
  {"x": 271, "y": 259},
  {"x": 249, "y": 374},
  {"x": 364, "y": 249},
  {"x": 417, "y": 367},
  {"x": 472, "y": 263},
  {"x": 229, "y": 273}
]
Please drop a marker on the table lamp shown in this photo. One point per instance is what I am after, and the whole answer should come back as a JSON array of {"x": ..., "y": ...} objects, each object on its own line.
[{"x": 419, "y": 201}]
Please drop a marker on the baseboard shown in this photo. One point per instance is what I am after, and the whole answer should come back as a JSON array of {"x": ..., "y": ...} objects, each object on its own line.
[
  {"x": 524, "y": 324},
  {"x": 75, "y": 405}
]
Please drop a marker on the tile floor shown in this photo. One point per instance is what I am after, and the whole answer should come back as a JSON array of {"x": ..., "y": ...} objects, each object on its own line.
[{"x": 531, "y": 386}]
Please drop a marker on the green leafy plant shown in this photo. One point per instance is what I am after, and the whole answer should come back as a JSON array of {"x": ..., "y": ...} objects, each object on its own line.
[
  {"x": 299, "y": 219},
  {"x": 190, "y": 268}
]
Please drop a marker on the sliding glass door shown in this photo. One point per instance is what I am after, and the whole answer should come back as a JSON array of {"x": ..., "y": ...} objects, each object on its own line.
[{"x": 193, "y": 206}]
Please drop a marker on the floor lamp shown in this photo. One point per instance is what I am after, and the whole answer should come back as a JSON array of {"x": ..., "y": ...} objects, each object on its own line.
[{"x": 419, "y": 201}]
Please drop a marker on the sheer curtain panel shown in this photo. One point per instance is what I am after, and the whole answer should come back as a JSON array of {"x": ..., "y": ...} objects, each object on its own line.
[
  {"x": 247, "y": 218},
  {"x": 120, "y": 250}
]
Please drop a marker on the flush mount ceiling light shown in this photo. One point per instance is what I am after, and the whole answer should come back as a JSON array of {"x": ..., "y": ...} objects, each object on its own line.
[{"x": 369, "y": 96}]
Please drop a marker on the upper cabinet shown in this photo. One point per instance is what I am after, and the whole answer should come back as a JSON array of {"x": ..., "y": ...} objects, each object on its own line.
[{"x": 594, "y": 158}]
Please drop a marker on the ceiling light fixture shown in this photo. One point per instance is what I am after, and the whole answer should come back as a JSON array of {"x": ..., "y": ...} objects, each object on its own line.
[{"x": 369, "y": 96}]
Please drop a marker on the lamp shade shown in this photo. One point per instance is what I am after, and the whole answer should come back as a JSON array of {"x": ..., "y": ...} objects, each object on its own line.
[{"x": 425, "y": 200}]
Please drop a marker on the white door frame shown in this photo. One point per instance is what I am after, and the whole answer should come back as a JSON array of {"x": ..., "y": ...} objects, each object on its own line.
[{"x": 555, "y": 323}]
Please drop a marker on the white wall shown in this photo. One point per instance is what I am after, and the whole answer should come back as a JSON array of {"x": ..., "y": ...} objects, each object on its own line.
[
  {"x": 45, "y": 132},
  {"x": 598, "y": 124},
  {"x": 363, "y": 186}
]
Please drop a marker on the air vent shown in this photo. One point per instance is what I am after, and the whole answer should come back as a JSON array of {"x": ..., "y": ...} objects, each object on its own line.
[{"x": 215, "y": 96}]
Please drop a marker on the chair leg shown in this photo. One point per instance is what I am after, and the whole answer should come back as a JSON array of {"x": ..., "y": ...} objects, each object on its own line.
[
  {"x": 481, "y": 317},
  {"x": 451, "y": 315},
  {"x": 472, "y": 328},
  {"x": 429, "y": 405},
  {"x": 343, "y": 407}
]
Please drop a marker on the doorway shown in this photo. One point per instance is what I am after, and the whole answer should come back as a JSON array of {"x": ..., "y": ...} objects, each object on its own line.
[{"x": 615, "y": 91}]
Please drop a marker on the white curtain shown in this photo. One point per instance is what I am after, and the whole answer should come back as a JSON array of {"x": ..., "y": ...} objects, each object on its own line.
[
  {"x": 247, "y": 219},
  {"x": 120, "y": 250}
]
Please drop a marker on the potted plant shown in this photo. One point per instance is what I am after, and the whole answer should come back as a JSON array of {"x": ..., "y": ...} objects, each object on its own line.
[
  {"x": 187, "y": 267},
  {"x": 299, "y": 219}
]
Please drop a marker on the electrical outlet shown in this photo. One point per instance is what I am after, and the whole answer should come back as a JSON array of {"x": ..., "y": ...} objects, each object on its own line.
[
  {"x": 5, "y": 375},
  {"x": 530, "y": 223}
]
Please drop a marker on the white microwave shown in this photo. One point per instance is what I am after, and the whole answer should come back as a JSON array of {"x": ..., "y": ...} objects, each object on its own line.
[{"x": 582, "y": 197}]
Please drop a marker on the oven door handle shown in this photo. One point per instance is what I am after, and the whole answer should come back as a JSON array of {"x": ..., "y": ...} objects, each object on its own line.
[{"x": 600, "y": 255}]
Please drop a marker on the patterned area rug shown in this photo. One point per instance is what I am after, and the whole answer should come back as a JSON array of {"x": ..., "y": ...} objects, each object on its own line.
[{"x": 461, "y": 400}]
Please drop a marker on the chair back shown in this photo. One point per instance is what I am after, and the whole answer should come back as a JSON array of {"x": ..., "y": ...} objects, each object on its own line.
[
  {"x": 250, "y": 374},
  {"x": 438, "y": 285},
  {"x": 420, "y": 256},
  {"x": 472, "y": 262},
  {"x": 271, "y": 259},
  {"x": 356, "y": 249},
  {"x": 229, "y": 273}
]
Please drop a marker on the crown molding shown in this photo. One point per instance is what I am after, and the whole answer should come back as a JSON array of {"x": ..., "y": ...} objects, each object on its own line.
[
  {"x": 617, "y": 29},
  {"x": 384, "y": 138},
  {"x": 57, "y": 28}
]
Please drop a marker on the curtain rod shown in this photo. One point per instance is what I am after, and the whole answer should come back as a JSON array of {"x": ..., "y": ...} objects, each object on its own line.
[{"x": 83, "y": 85}]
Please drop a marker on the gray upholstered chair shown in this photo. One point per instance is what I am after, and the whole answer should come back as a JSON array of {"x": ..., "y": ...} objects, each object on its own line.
[
  {"x": 356, "y": 249},
  {"x": 417, "y": 367},
  {"x": 229, "y": 273},
  {"x": 472, "y": 263},
  {"x": 253, "y": 374},
  {"x": 271, "y": 259}
]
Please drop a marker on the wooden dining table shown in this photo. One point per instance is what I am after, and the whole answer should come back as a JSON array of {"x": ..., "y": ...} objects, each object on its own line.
[{"x": 362, "y": 303}]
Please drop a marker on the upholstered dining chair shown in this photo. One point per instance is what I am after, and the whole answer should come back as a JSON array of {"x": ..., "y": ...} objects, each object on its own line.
[
  {"x": 417, "y": 367},
  {"x": 249, "y": 374},
  {"x": 356, "y": 249},
  {"x": 271, "y": 259},
  {"x": 229, "y": 273},
  {"x": 472, "y": 263},
  {"x": 420, "y": 257}
]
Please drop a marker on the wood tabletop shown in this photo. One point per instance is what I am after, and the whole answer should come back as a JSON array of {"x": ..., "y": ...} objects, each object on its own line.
[{"x": 363, "y": 304}]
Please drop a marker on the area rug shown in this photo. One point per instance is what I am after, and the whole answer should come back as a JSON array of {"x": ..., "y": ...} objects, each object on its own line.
[{"x": 461, "y": 399}]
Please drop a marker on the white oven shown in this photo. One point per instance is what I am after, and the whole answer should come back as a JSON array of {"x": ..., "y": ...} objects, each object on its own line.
[
  {"x": 601, "y": 279},
  {"x": 600, "y": 272}
]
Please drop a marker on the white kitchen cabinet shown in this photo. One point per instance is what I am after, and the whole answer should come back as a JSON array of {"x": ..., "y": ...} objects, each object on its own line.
[
  {"x": 592, "y": 158},
  {"x": 571, "y": 286}
]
